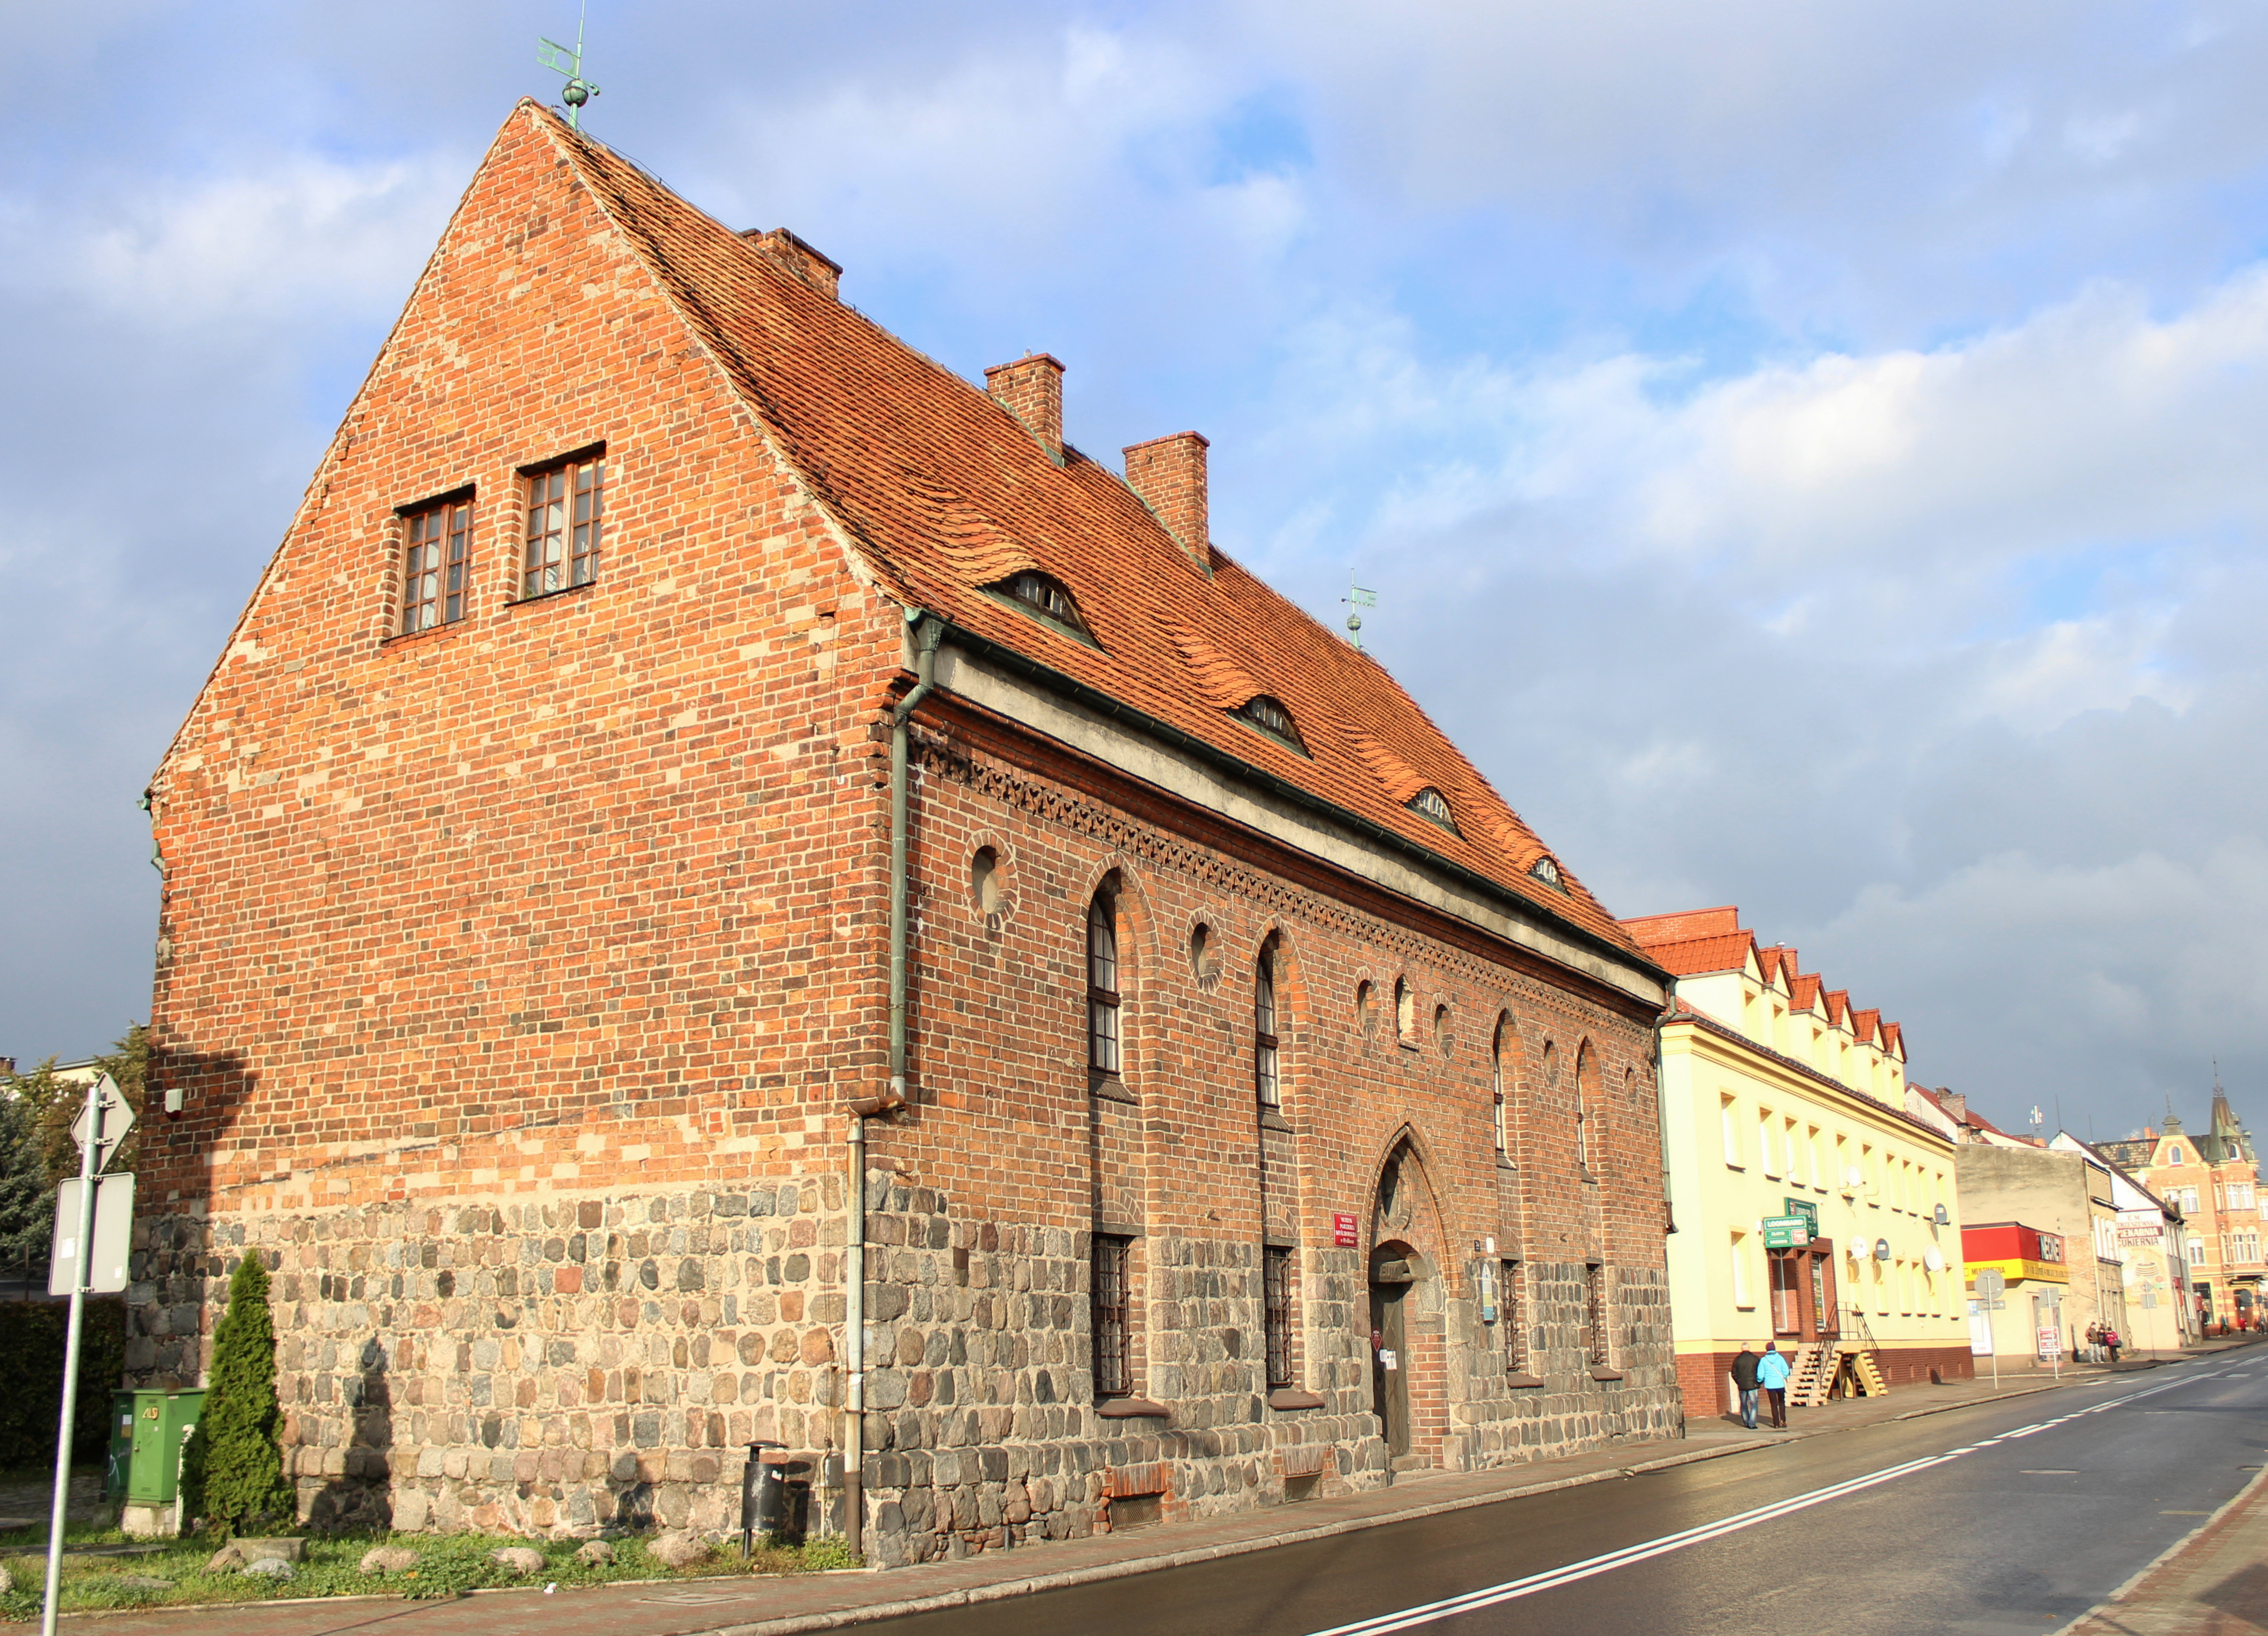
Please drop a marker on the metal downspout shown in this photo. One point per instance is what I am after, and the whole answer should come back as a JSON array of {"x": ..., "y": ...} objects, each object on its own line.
[{"x": 927, "y": 634}]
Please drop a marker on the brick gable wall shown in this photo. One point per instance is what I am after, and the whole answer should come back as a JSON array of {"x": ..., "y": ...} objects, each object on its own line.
[{"x": 515, "y": 975}]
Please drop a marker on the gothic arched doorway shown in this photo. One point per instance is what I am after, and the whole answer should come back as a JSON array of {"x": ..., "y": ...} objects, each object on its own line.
[{"x": 1396, "y": 1269}]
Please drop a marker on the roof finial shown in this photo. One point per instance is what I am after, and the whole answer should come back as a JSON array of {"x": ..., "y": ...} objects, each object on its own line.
[
  {"x": 551, "y": 54},
  {"x": 1356, "y": 599}
]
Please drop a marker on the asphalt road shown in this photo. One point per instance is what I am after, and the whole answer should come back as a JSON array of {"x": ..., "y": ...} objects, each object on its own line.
[{"x": 1996, "y": 1520}]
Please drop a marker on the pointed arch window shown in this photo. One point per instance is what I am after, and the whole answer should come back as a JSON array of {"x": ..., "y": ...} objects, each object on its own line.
[
  {"x": 1432, "y": 805},
  {"x": 1587, "y": 1096},
  {"x": 1266, "y": 1081},
  {"x": 1047, "y": 599},
  {"x": 1103, "y": 1037},
  {"x": 1266, "y": 713},
  {"x": 1496, "y": 1085}
]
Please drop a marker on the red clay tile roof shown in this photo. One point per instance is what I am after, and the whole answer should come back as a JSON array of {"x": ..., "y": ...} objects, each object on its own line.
[
  {"x": 1682, "y": 950},
  {"x": 1692, "y": 957},
  {"x": 1650, "y": 930},
  {"x": 943, "y": 491}
]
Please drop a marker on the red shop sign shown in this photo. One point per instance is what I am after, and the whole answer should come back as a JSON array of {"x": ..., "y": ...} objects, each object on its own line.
[{"x": 1345, "y": 1233}]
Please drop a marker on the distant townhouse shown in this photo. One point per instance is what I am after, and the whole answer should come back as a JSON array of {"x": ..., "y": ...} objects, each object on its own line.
[
  {"x": 2153, "y": 1266},
  {"x": 2214, "y": 1180},
  {"x": 2066, "y": 1198},
  {"x": 1811, "y": 1208}
]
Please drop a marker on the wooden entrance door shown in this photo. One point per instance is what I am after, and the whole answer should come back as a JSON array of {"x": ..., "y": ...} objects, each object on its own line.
[{"x": 1390, "y": 1281}]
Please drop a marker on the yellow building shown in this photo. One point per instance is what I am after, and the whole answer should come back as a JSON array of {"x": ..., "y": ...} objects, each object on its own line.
[{"x": 1808, "y": 1205}]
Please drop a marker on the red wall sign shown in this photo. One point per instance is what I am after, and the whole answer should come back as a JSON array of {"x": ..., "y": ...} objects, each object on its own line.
[{"x": 1345, "y": 1233}]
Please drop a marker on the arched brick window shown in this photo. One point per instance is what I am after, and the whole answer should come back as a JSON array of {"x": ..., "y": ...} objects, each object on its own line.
[
  {"x": 1590, "y": 1131},
  {"x": 1266, "y": 1082},
  {"x": 1102, "y": 1038},
  {"x": 1496, "y": 1085}
]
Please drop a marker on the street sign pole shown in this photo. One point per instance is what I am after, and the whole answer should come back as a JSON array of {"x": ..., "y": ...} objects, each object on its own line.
[{"x": 98, "y": 1097}]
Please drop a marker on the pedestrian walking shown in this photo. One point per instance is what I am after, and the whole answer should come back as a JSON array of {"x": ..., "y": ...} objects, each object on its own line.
[
  {"x": 1772, "y": 1374},
  {"x": 1744, "y": 1382}
]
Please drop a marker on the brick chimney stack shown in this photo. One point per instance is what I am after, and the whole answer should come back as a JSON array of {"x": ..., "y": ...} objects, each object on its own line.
[
  {"x": 1031, "y": 389},
  {"x": 1169, "y": 474},
  {"x": 799, "y": 258}
]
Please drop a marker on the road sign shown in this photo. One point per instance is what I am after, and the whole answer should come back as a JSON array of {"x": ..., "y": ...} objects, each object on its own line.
[
  {"x": 117, "y": 1119},
  {"x": 1991, "y": 1282},
  {"x": 113, "y": 1235},
  {"x": 1785, "y": 1232}
]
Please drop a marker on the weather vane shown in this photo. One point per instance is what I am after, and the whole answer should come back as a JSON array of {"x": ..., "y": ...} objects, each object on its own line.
[
  {"x": 551, "y": 54},
  {"x": 1356, "y": 599}
]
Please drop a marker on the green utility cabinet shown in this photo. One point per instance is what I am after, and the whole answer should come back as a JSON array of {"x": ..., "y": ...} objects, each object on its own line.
[{"x": 147, "y": 1430}]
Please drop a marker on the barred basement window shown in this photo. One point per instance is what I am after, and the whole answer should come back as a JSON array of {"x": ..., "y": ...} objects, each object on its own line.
[
  {"x": 1113, "y": 1369},
  {"x": 1508, "y": 1317},
  {"x": 1276, "y": 1296},
  {"x": 1594, "y": 1317},
  {"x": 563, "y": 505},
  {"x": 1264, "y": 1030},
  {"x": 435, "y": 565},
  {"x": 1267, "y": 713},
  {"x": 1432, "y": 805},
  {"x": 1103, "y": 984}
]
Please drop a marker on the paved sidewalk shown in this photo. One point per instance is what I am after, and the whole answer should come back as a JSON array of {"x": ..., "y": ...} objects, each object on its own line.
[
  {"x": 2213, "y": 1584},
  {"x": 785, "y": 1607}
]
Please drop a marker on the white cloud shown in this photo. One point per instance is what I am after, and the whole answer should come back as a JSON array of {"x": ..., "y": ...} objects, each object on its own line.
[{"x": 304, "y": 235}]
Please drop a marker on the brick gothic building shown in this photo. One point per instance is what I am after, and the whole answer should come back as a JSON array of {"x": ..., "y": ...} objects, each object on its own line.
[{"x": 1276, "y": 1112}]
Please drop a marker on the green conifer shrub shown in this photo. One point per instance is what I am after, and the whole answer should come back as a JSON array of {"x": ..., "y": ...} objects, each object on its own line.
[{"x": 232, "y": 1468}]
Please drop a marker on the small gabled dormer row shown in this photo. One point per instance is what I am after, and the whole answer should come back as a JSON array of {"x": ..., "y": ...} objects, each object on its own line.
[{"x": 1763, "y": 992}]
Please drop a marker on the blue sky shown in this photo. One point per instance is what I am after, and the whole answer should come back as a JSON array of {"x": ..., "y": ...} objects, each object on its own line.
[{"x": 1809, "y": 454}]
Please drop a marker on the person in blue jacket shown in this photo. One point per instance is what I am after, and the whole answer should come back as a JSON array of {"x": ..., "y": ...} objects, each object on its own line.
[{"x": 1772, "y": 1374}]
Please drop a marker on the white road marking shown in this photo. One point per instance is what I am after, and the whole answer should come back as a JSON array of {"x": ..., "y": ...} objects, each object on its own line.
[{"x": 1511, "y": 1590}]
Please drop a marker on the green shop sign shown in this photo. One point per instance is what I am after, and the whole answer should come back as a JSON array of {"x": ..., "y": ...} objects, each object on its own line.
[
  {"x": 1786, "y": 1232},
  {"x": 1807, "y": 1210}
]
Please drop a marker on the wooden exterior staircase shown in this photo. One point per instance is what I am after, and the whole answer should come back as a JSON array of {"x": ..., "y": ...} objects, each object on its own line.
[
  {"x": 1814, "y": 1373},
  {"x": 1867, "y": 1376}
]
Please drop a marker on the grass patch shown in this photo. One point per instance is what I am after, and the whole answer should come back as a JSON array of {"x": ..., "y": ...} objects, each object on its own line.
[{"x": 448, "y": 1565}]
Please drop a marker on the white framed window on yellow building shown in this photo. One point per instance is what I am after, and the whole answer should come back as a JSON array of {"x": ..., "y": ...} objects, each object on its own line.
[
  {"x": 1728, "y": 1121},
  {"x": 1811, "y": 1146},
  {"x": 1764, "y": 1158},
  {"x": 1741, "y": 1296}
]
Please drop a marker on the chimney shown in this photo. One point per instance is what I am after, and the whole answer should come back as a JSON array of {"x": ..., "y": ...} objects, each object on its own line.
[
  {"x": 1955, "y": 1103},
  {"x": 799, "y": 258},
  {"x": 1169, "y": 474},
  {"x": 1031, "y": 389}
]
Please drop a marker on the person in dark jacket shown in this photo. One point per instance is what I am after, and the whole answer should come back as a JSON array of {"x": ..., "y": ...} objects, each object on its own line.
[{"x": 1744, "y": 1381}]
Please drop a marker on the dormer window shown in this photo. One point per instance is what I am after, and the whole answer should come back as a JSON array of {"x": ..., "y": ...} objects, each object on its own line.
[
  {"x": 1267, "y": 713},
  {"x": 1548, "y": 871},
  {"x": 1038, "y": 594},
  {"x": 1432, "y": 805}
]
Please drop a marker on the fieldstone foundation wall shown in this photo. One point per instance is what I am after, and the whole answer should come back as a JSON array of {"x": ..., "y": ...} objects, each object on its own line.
[
  {"x": 562, "y": 1365},
  {"x": 545, "y": 1367}
]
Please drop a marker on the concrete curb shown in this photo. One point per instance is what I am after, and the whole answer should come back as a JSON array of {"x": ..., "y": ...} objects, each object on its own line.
[{"x": 1103, "y": 1571}]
